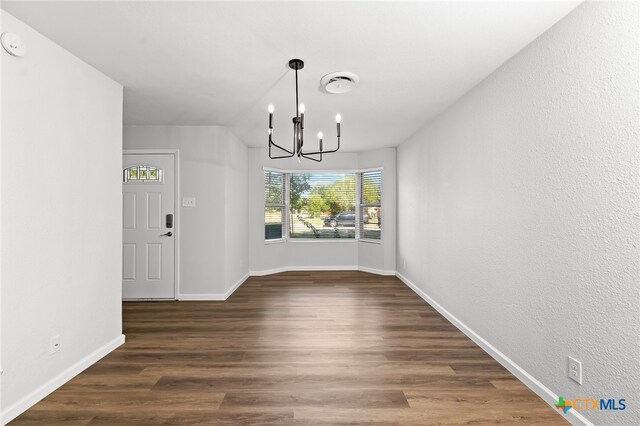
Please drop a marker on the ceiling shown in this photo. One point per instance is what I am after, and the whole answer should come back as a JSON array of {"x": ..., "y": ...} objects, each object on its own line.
[{"x": 222, "y": 63}]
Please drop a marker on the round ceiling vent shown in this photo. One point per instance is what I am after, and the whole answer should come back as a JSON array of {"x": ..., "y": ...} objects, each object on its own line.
[
  {"x": 339, "y": 82},
  {"x": 12, "y": 44}
]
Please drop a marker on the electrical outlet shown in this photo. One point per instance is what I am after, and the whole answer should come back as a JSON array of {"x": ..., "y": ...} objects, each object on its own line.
[
  {"x": 575, "y": 370},
  {"x": 188, "y": 202},
  {"x": 54, "y": 345}
]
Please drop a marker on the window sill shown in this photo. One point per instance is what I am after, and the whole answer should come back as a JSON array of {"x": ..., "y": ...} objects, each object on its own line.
[
  {"x": 322, "y": 240},
  {"x": 278, "y": 241},
  {"x": 369, "y": 241},
  {"x": 312, "y": 240}
]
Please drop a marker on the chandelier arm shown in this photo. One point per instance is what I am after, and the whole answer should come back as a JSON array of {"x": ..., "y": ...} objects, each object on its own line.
[
  {"x": 311, "y": 158},
  {"x": 276, "y": 157},
  {"x": 281, "y": 148},
  {"x": 323, "y": 152},
  {"x": 271, "y": 143}
]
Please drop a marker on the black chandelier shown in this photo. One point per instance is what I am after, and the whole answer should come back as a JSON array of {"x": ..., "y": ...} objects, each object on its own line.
[{"x": 298, "y": 128}]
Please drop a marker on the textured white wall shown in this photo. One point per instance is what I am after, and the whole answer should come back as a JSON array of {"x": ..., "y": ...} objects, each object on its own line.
[
  {"x": 1, "y": 235},
  {"x": 518, "y": 207},
  {"x": 213, "y": 168},
  {"x": 61, "y": 214}
]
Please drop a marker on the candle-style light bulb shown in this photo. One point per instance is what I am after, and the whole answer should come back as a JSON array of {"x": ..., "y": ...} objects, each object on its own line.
[
  {"x": 270, "y": 108},
  {"x": 301, "y": 108},
  {"x": 320, "y": 137},
  {"x": 338, "y": 120}
]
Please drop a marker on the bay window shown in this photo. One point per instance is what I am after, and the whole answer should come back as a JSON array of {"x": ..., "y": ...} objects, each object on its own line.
[{"x": 323, "y": 205}]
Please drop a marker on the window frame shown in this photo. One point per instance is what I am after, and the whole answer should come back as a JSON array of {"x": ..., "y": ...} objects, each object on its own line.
[
  {"x": 321, "y": 172},
  {"x": 284, "y": 205},
  {"x": 286, "y": 238},
  {"x": 360, "y": 204}
]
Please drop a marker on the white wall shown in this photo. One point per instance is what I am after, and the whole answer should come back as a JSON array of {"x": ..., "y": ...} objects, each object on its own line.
[
  {"x": 236, "y": 223},
  {"x": 1, "y": 235},
  {"x": 305, "y": 255},
  {"x": 213, "y": 235},
  {"x": 518, "y": 207},
  {"x": 61, "y": 217}
]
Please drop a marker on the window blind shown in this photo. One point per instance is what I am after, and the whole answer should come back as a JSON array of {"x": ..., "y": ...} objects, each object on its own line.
[
  {"x": 274, "y": 205},
  {"x": 370, "y": 207},
  {"x": 322, "y": 205}
]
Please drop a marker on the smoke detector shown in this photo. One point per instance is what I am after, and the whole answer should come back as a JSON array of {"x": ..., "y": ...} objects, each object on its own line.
[{"x": 339, "y": 82}]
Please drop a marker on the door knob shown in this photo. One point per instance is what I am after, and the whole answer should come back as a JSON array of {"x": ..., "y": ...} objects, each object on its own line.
[{"x": 168, "y": 234}]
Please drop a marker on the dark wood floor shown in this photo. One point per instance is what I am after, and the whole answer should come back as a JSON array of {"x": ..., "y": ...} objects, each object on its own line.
[{"x": 294, "y": 348}]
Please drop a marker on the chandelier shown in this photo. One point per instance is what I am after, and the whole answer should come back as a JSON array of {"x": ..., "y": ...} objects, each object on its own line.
[{"x": 298, "y": 128}]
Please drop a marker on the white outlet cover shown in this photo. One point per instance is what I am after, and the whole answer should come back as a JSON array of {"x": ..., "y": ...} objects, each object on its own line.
[
  {"x": 54, "y": 345},
  {"x": 188, "y": 202},
  {"x": 575, "y": 370},
  {"x": 13, "y": 44}
]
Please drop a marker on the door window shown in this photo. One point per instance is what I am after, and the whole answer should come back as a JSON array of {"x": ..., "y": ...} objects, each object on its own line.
[{"x": 142, "y": 174}]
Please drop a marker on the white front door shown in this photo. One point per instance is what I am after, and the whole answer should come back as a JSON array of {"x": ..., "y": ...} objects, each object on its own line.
[{"x": 148, "y": 235}]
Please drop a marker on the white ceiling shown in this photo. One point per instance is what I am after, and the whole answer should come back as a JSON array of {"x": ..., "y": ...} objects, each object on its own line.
[{"x": 222, "y": 63}]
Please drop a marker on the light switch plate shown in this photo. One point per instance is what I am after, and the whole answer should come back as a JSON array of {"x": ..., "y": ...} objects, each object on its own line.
[{"x": 189, "y": 202}]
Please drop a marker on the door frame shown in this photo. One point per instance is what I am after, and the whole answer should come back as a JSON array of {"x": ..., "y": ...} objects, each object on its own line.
[{"x": 176, "y": 210}]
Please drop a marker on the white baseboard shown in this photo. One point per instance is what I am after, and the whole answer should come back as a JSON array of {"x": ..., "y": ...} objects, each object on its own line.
[
  {"x": 267, "y": 272},
  {"x": 225, "y": 296},
  {"x": 531, "y": 382},
  {"x": 376, "y": 271},
  {"x": 40, "y": 393},
  {"x": 236, "y": 285},
  {"x": 302, "y": 268},
  {"x": 321, "y": 268},
  {"x": 214, "y": 296},
  {"x": 202, "y": 296}
]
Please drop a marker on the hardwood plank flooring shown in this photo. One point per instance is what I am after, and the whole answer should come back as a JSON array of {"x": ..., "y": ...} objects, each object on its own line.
[{"x": 308, "y": 348}]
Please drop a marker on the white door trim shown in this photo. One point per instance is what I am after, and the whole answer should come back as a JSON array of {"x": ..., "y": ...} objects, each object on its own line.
[{"x": 176, "y": 200}]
